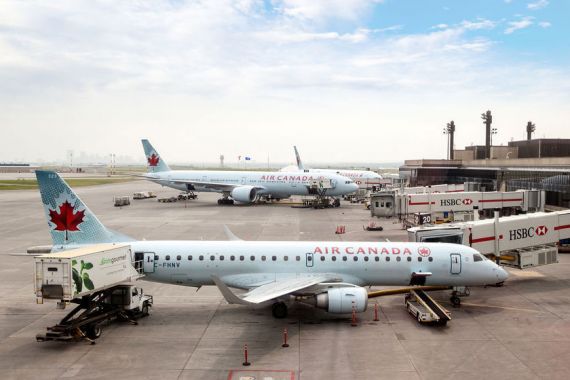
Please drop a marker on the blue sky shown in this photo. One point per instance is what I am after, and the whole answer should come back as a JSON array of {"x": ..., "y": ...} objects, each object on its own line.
[{"x": 345, "y": 80}]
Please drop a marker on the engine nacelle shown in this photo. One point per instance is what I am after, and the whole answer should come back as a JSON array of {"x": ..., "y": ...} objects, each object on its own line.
[
  {"x": 244, "y": 194},
  {"x": 341, "y": 300}
]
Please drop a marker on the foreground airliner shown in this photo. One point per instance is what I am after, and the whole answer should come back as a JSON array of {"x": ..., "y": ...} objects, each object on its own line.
[
  {"x": 327, "y": 274},
  {"x": 245, "y": 186},
  {"x": 365, "y": 179}
]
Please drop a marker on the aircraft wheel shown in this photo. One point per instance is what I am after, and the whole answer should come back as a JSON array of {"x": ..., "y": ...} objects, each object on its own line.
[
  {"x": 455, "y": 301},
  {"x": 219, "y": 201},
  {"x": 279, "y": 310}
]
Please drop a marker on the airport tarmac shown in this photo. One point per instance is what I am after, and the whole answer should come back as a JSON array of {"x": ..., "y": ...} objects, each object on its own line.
[{"x": 520, "y": 330}]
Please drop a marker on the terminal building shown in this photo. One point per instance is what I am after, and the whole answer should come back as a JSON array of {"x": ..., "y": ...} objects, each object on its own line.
[
  {"x": 17, "y": 168},
  {"x": 541, "y": 164}
]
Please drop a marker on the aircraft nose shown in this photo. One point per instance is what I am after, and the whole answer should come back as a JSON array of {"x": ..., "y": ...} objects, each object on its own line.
[{"x": 502, "y": 274}]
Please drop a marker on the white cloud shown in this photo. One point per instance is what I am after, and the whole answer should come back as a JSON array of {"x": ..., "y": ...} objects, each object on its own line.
[
  {"x": 523, "y": 23},
  {"x": 545, "y": 24},
  {"x": 538, "y": 5},
  {"x": 322, "y": 9},
  {"x": 478, "y": 24},
  {"x": 295, "y": 36},
  {"x": 200, "y": 69}
]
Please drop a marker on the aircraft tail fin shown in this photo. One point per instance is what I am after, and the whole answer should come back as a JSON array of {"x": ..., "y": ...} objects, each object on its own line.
[
  {"x": 298, "y": 157},
  {"x": 70, "y": 221},
  {"x": 155, "y": 163}
]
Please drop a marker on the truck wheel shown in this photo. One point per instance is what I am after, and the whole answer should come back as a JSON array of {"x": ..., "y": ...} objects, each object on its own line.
[
  {"x": 144, "y": 310},
  {"x": 419, "y": 318},
  {"x": 93, "y": 331}
]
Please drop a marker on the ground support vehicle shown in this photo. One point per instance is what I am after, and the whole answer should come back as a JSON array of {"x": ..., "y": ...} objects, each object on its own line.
[
  {"x": 144, "y": 195},
  {"x": 121, "y": 201},
  {"x": 98, "y": 278},
  {"x": 425, "y": 309},
  {"x": 168, "y": 200},
  {"x": 184, "y": 196}
]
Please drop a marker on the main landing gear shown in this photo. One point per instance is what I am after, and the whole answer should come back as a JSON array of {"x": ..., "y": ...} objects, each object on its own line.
[
  {"x": 225, "y": 201},
  {"x": 279, "y": 310}
]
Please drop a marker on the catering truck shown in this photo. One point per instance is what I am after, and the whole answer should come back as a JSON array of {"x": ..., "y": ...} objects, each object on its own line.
[
  {"x": 520, "y": 241},
  {"x": 78, "y": 272},
  {"x": 97, "y": 278}
]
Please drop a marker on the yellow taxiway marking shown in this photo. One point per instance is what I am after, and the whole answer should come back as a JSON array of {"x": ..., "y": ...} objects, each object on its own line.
[
  {"x": 501, "y": 307},
  {"x": 526, "y": 273}
]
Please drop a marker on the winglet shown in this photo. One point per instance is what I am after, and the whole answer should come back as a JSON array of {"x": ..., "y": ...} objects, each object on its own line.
[
  {"x": 230, "y": 235},
  {"x": 230, "y": 296}
]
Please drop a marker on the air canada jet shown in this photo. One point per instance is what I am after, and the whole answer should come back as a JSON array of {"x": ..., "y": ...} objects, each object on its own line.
[
  {"x": 330, "y": 275},
  {"x": 245, "y": 186},
  {"x": 365, "y": 179}
]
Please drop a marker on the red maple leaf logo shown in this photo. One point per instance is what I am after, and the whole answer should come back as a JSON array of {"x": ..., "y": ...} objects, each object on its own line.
[
  {"x": 424, "y": 251},
  {"x": 66, "y": 220},
  {"x": 153, "y": 160}
]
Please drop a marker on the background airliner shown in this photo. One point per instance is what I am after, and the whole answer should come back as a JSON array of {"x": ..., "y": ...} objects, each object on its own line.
[
  {"x": 327, "y": 274},
  {"x": 365, "y": 179},
  {"x": 245, "y": 186}
]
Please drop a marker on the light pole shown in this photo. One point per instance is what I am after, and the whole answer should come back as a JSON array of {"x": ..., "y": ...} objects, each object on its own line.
[{"x": 449, "y": 130}]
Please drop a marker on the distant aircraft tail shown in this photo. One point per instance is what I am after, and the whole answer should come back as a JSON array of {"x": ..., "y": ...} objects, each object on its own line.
[
  {"x": 155, "y": 163},
  {"x": 299, "y": 163},
  {"x": 69, "y": 220}
]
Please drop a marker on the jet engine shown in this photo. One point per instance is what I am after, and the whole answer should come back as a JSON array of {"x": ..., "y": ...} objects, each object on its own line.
[
  {"x": 244, "y": 194},
  {"x": 341, "y": 300}
]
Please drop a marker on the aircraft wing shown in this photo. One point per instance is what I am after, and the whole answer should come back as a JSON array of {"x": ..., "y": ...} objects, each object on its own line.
[{"x": 273, "y": 289}]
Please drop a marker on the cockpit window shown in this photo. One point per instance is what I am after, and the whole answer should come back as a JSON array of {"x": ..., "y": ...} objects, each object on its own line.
[{"x": 477, "y": 257}]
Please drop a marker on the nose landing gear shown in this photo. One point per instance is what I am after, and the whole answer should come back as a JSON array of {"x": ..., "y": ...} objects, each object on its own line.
[{"x": 458, "y": 291}]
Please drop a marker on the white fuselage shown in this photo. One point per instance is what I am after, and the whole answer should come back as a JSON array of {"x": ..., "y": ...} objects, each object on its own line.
[
  {"x": 276, "y": 184},
  {"x": 243, "y": 264},
  {"x": 365, "y": 179}
]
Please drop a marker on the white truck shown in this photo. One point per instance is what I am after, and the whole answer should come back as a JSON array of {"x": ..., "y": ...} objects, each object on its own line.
[
  {"x": 121, "y": 201},
  {"x": 143, "y": 195},
  {"x": 520, "y": 241},
  {"x": 97, "y": 278}
]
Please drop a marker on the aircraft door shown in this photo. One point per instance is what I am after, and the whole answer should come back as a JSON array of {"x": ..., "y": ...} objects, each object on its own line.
[
  {"x": 148, "y": 264},
  {"x": 243, "y": 180},
  {"x": 455, "y": 263},
  {"x": 310, "y": 259}
]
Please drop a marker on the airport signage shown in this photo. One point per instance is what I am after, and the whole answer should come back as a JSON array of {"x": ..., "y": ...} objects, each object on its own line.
[{"x": 523, "y": 233}]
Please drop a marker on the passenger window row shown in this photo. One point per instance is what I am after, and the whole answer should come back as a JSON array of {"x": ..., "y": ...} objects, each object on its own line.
[{"x": 286, "y": 258}]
